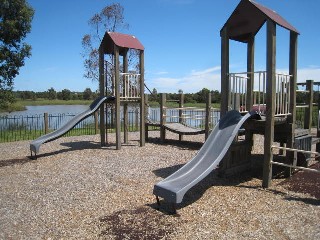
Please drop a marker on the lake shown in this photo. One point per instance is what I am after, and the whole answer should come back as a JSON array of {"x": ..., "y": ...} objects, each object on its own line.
[
  {"x": 193, "y": 118},
  {"x": 50, "y": 109}
]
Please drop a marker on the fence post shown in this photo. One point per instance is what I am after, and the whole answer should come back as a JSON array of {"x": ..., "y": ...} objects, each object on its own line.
[
  {"x": 309, "y": 101},
  {"x": 181, "y": 119},
  {"x": 208, "y": 115},
  {"x": 46, "y": 123},
  {"x": 96, "y": 123},
  {"x": 162, "y": 117},
  {"x": 137, "y": 119}
]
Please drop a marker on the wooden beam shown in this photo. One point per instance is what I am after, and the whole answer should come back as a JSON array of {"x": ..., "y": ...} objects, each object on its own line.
[
  {"x": 162, "y": 117},
  {"x": 270, "y": 103},
  {"x": 224, "y": 72},
  {"x": 102, "y": 87},
  {"x": 142, "y": 103},
  {"x": 293, "y": 49},
  {"x": 309, "y": 101},
  {"x": 117, "y": 95},
  {"x": 250, "y": 75},
  {"x": 125, "y": 105}
]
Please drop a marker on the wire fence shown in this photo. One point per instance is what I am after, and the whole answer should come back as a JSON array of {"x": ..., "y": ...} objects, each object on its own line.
[{"x": 19, "y": 127}]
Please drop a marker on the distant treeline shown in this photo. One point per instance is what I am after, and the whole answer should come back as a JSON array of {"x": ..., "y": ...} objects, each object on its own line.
[
  {"x": 198, "y": 97},
  {"x": 88, "y": 94},
  {"x": 52, "y": 94}
]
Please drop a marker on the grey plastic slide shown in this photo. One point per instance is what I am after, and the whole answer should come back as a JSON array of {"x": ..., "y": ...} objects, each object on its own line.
[
  {"x": 35, "y": 144},
  {"x": 174, "y": 187}
]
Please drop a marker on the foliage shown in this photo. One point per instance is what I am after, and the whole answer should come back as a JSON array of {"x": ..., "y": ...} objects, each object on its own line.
[
  {"x": 51, "y": 94},
  {"x": 15, "y": 24},
  {"x": 87, "y": 94},
  {"x": 110, "y": 19},
  {"x": 65, "y": 94}
]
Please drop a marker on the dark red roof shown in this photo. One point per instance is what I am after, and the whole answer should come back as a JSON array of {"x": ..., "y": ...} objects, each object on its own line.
[
  {"x": 123, "y": 41},
  {"x": 247, "y": 19}
]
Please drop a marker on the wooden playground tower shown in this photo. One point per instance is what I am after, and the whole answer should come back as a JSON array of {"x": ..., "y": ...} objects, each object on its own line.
[
  {"x": 269, "y": 92},
  {"x": 127, "y": 87}
]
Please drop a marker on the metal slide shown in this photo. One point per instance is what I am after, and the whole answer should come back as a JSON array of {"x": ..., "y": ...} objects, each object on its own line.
[
  {"x": 35, "y": 144},
  {"x": 174, "y": 187}
]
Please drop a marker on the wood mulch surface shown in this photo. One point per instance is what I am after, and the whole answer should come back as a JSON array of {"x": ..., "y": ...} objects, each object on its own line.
[{"x": 304, "y": 182}]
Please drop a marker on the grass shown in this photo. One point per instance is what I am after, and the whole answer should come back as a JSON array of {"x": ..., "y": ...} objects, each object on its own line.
[{"x": 40, "y": 102}]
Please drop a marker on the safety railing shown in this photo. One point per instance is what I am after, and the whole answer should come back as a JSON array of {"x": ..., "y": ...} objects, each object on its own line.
[
  {"x": 238, "y": 83},
  {"x": 129, "y": 86},
  {"x": 313, "y": 155}
]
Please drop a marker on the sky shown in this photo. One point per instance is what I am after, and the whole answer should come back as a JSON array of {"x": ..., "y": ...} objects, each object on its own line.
[{"x": 181, "y": 39}]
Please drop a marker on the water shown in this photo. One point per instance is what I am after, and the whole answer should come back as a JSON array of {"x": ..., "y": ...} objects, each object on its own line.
[
  {"x": 50, "y": 109},
  {"x": 55, "y": 111}
]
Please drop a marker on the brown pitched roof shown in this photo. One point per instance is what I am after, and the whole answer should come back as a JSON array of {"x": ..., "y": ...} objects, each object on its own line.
[
  {"x": 247, "y": 19},
  {"x": 123, "y": 41}
]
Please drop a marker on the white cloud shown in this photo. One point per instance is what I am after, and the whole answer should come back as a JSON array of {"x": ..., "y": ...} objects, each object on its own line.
[
  {"x": 190, "y": 83},
  {"x": 312, "y": 73},
  {"x": 210, "y": 78}
]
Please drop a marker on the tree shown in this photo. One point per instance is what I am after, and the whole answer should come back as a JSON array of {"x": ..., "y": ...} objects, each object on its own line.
[
  {"x": 87, "y": 94},
  {"x": 15, "y": 24},
  {"x": 110, "y": 19},
  {"x": 201, "y": 96},
  {"x": 52, "y": 94},
  {"x": 65, "y": 94}
]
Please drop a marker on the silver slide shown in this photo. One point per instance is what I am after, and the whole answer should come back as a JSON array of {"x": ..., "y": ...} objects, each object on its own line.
[
  {"x": 174, "y": 187},
  {"x": 35, "y": 144}
]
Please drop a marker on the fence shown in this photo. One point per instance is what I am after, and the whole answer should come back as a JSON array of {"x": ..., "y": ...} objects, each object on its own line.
[{"x": 16, "y": 128}]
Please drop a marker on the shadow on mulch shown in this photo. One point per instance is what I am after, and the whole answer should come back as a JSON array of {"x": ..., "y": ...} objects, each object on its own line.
[
  {"x": 180, "y": 144},
  {"x": 304, "y": 182},
  {"x": 10, "y": 162},
  {"x": 197, "y": 191},
  {"x": 140, "y": 223},
  {"x": 72, "y": 146}
]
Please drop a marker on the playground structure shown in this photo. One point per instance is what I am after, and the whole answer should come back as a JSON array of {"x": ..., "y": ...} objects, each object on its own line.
[
  {"x": 127, "y": 86},
  {"x": 275, "y": 92},
  {"x": 271, "y": 94},
  {"x": 178, "y": 123}
]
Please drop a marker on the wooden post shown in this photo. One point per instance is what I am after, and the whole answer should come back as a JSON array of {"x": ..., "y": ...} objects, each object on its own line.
[
  {"x": 318, "y": 124},
  {"x": 136, "y": 120},
  {"x": 309, "y": 101},
  {"x": 162, "y": 117},
  {"x": 181, "y": 120},
  {"x": 224, "y": 72},
  {"x": 102, "y": 86},
  {"x": 117, "y": 95},
  {"x": 250, "y": 75},
  {"x": 293, "y": 86},
  {"x": 270, "y": 103},
  {"x": 146, "y": 102},
  {"x": 142, "y": 104},
  {"x": 125, "y": 105},
  {"x": 96, "y": 123},
  {"x": 46, "y": 123},
  {"x": 208, "y": 115}
]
